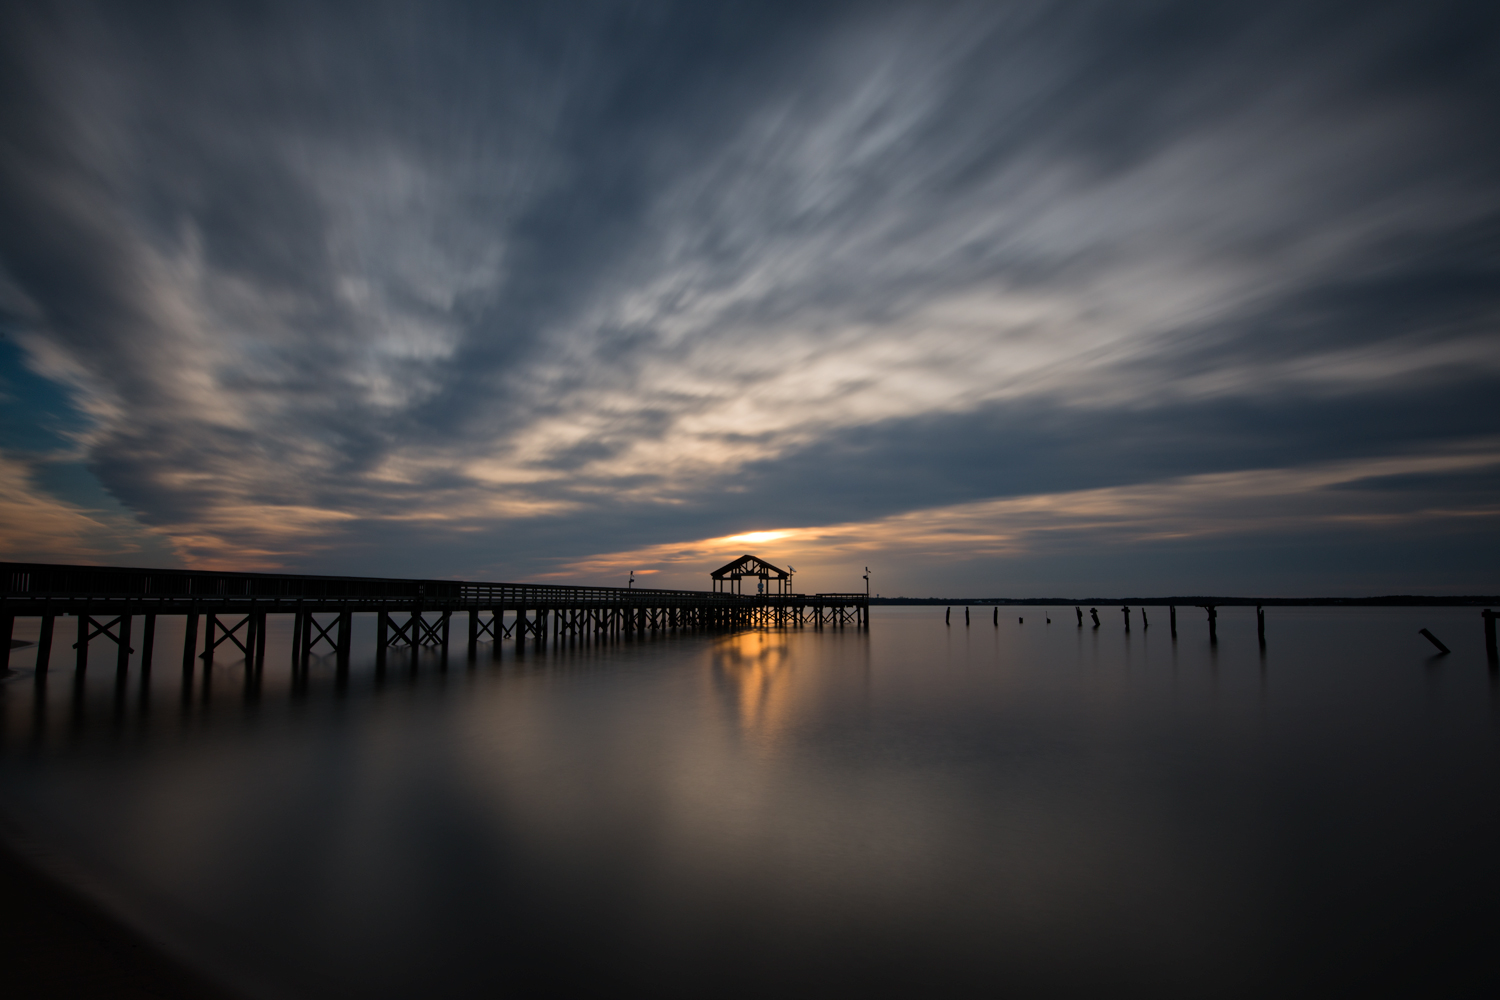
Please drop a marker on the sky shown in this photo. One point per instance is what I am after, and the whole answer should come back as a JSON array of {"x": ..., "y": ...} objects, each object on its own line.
[{"x": 998, "y": 299}]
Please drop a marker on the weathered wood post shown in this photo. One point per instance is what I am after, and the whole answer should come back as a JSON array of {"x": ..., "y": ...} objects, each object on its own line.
[
  {"x": 82, "y": 645},
  {"x": 473, "y": 631},
  {"x": 189, "y": 642},
  {"x": 1213, "y": 622},
  {"x": 122, "y": 655},
  {"x": 1076, "y": 610},
  {"x": 948, "y": 616},
  {"x": 252, "y": 639},
  {"x": 497, "y": 629},
  {"x": 443, "y": 638},
  {"x": 307, "y": 640},
  {"x": 44, "y": 644},
  {"x": 520, "y": 628},
  {"x": 297, "y": 631},
  {"x": 966, "y": 616},
  {"x": 1172, "y": 618},
  {"x": 414, "y": 632},
  {"x": 1444, "y": 650},
  {"x": 260, "y": 643},
  {"x": 1490, "y": 651},
  {"x": 1145, "y": 623},
  {"x": 346, "y": 637},
  {"x": 1260, "y": 625},
  {"x": 1126, "y": 612},
  {"x": 148, "y": 644},
  {"x": 1094, "y": 614},
  {"x": 7, "y": 632},
  {"x": 382, "y": 640}
]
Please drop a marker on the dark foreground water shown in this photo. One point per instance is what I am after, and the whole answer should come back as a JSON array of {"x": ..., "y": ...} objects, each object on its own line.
[{"x": 1033, "y": 810}]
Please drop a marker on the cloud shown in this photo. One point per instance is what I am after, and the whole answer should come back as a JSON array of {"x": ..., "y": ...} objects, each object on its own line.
[
  {"x": 351, "y": 292},
  {"x": 1394, "y": 493},
  {"x": 40, "y": 527}
]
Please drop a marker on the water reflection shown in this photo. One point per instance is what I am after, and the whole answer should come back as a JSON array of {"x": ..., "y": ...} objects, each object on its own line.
[{"x": 802, "y": 813}]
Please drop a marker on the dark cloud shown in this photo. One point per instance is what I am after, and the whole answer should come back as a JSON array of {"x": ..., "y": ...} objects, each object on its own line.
[{"x": 597, "y": 276}]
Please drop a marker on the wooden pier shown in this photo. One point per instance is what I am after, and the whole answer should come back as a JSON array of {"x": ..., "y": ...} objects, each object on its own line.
[{"x": 226, "y": 613}]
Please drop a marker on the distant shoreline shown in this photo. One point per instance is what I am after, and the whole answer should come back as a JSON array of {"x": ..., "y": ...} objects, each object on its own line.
[{"x": 1393, "y": 601}]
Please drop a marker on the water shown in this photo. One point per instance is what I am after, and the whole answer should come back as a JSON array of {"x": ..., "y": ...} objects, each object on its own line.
[{"x": 1034, "y": 810}]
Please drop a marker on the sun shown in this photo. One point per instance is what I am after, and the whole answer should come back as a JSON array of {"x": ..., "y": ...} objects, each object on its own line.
[{"x": 756, "y": 537}]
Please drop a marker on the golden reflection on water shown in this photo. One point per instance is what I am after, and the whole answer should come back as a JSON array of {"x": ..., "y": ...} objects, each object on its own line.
[{"x": 755, "y": 671}]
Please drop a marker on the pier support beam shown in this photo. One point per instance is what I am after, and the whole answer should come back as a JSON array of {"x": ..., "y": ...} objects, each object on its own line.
[
  {"x": 44, "y": 645},
  {"x": 7, "y": 632},
  {"x": 189, "y": 644},
  {"x": 382, "y": 640},
  {"x": 148, "y": 644}
]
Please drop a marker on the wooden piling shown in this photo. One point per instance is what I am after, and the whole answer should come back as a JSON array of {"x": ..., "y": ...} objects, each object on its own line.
[
  {"x": 209, "y": 621},
  {"x": 1172, "y": 618},
  {"x": 122, "y": 655},
  {"x": 189, "y": 643},
  {"x": 82, "y": 646},
  {"x": 1126, "y": 612},
  {"x": 250, "y": 641},
  {"x": 44, "y": 644},
  {"x": 307, "y": 642},
  {"x": 414, "y": 633},
  {"x": 1260, "y": 625},
  {"x": 260, "y": 642},
  {"x": 148, "y": 644},
  {"x": 948, "y": 617},
  {"x": 1444, "y": 650},
  {"x": 7, "y": 633},
  {"x": 345, "y": 641},
  {"x": 1490, "y": 651},
  {"x": 297, "y": 638},
  {"x": 966, "y": 616}
]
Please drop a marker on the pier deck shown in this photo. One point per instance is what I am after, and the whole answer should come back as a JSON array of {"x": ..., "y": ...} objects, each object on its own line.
[{"x": 410, "y": 613}]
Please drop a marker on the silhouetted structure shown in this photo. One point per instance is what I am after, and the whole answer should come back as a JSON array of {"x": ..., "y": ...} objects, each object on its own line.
[{"x": 410, "y": 614}]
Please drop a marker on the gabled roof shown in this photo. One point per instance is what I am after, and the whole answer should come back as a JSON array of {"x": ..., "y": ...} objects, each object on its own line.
[{"x": 748, "y": 565}]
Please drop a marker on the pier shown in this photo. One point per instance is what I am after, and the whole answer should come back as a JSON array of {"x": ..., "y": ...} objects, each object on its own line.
[{"x": 225, "y": 613}]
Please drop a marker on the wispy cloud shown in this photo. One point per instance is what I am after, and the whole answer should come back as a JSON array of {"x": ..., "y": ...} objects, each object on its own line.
[{"x": 461, "y": 292}]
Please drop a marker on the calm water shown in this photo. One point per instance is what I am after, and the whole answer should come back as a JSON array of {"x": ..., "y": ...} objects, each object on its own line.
[{"x": 947, "y": 811}]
